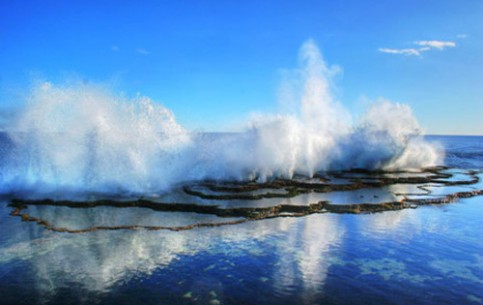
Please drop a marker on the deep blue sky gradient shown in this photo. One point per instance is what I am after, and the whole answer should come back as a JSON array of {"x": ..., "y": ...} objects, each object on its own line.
[{"x": 215, "y": 62}]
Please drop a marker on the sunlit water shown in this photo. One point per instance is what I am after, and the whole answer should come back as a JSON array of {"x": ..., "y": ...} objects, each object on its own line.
[{"x": 428, "y": 255}]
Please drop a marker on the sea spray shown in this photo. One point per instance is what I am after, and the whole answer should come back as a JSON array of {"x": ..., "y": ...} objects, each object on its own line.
[
  {"x": 307, "y": 139},
  {"x": 82, "y": 139},
  {"x": 387, "y": 136},
  {"x": 85, "y": 139},
  {"x": 319, "y": 135}
]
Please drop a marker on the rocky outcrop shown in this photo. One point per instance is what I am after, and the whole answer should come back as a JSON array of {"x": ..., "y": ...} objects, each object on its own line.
[{"x": 235, "y": 190}]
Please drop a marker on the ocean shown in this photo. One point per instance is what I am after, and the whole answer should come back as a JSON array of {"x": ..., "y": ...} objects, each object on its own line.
[{"x": 426, "y": 252}]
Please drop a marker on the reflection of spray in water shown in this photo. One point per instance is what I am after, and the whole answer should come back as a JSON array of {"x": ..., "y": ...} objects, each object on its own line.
[{"x": 85, "y": 139}]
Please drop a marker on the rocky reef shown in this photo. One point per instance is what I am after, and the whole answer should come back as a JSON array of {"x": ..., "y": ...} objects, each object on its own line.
[{"x": 243, "y": 201}]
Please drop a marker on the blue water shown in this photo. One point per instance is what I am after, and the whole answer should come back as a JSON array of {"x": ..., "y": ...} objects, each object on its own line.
[
  {"x": 428, "y": 255},
  {"x": 461, "y": 151}
]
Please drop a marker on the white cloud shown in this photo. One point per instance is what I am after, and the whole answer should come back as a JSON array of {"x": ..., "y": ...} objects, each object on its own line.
[
  {"x": 401, "y": 51},
  {"x": 462, "y": 36},
  {"x": 437, "y": 44},
  {"x": 143, "y": 51},
  {"x": 424, "y": 46}
]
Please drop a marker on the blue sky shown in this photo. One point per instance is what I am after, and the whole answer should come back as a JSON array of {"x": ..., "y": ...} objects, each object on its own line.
[{"x": 215, "y": 62}]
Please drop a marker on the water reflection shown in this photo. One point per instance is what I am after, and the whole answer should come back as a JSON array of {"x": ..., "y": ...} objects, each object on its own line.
[
  {"x": 290, "y": 259},
  {"x": 98, "y": 261},
  {"x": 84, "y": 218},
  {"x": 306, "y": 255},
  {"x": 94, "y": 261}
]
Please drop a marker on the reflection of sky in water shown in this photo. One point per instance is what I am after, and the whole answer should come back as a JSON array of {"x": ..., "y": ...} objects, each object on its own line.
[
  {"x": 392, "y": 257},
  {"x": 407, "y": 189},
  {"x": 370, "y": 195},
  {"x": 80, "y": 218},
  {"x": 447, "y": 190}
]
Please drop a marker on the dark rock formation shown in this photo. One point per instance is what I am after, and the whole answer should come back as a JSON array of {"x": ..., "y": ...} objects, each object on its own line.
[{"x": 231, "y": 190}]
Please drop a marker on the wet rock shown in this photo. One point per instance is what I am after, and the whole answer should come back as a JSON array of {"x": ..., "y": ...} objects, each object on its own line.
[{"x": 236, "y": 190}]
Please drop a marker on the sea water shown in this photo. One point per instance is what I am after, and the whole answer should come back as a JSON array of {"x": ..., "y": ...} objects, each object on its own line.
[{"x": 429, "y": 255}]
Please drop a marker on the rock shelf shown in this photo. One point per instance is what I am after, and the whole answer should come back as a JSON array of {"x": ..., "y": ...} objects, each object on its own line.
[{"x": 227, "y": 191}]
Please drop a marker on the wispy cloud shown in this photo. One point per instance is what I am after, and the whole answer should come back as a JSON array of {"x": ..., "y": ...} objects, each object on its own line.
[
  {"x": 462, "y": 36},
  {"x": 401, "y": 51},
  {"x": 143, "y": 51},
  {"x": 437, "y": 44},
  {"x": 424, "y": 46},
  {"x": 115, "y": 48}
]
